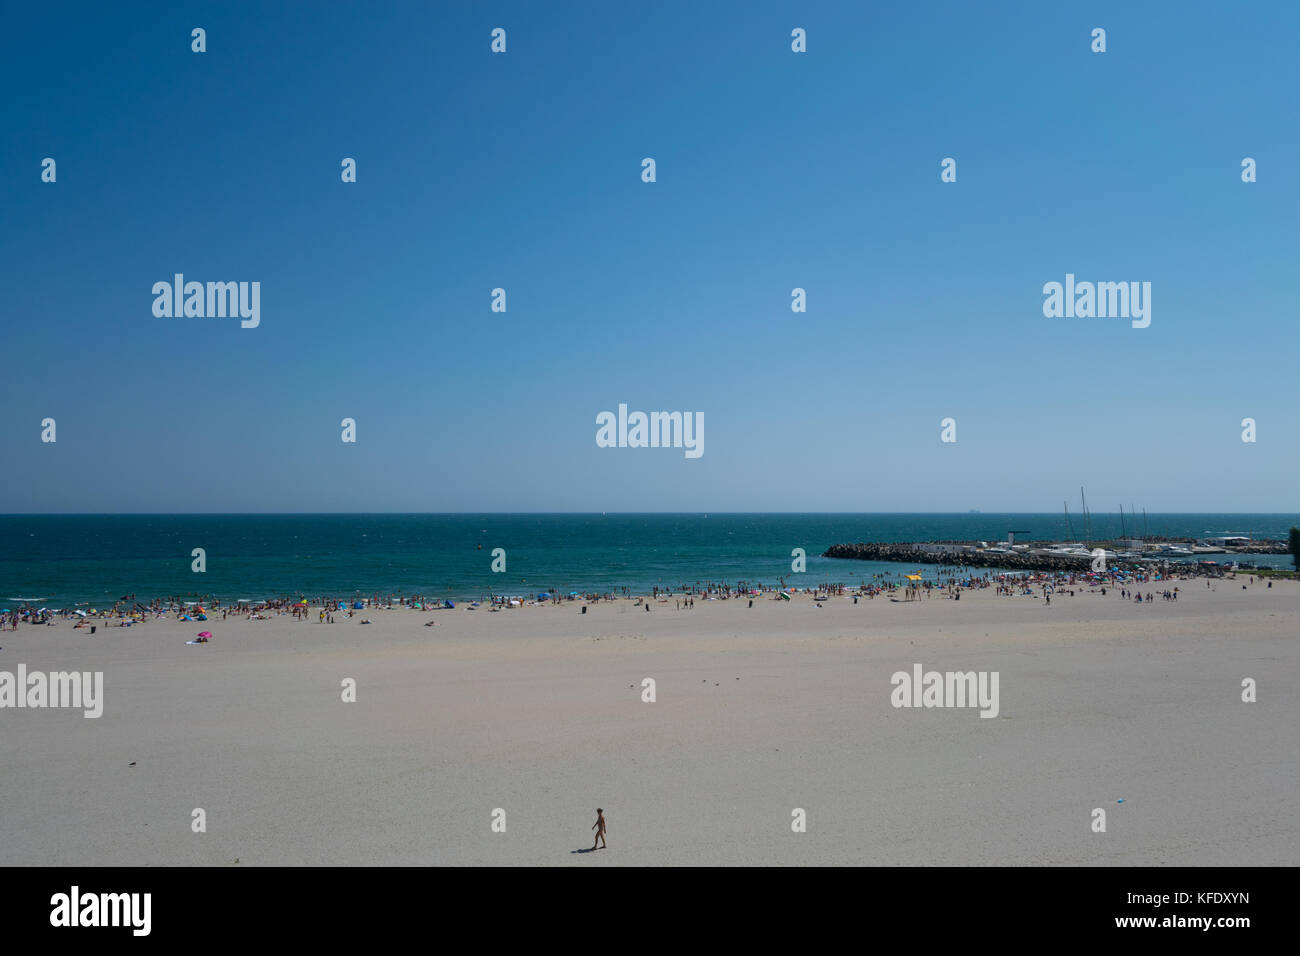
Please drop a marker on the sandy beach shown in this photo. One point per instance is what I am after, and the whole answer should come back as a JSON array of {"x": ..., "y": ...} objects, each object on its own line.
[{"x": 759, "y": 710}]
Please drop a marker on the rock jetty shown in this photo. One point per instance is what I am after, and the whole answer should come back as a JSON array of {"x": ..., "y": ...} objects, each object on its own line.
[{"x": 905, "y": 553}]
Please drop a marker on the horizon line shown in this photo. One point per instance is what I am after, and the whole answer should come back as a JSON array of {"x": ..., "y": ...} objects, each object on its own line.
[{"x": 312, "y": 514}]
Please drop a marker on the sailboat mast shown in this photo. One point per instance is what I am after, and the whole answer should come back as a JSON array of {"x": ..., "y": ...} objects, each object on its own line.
[
  {"x": 1087, "y": 523},
  {"x": 1068, "y": 523},
  {"x": 1122, "y": 529}
]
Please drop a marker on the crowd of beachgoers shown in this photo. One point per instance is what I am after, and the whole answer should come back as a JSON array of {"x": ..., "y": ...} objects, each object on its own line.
[{"x": 947, "y": 583}]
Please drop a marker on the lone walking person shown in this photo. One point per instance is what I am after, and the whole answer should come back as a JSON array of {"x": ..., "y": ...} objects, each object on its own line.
[{"x": 599, "y": 827}]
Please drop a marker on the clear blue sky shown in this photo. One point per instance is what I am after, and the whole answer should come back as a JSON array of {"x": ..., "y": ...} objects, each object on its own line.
[{"x": 775, "y": 170}]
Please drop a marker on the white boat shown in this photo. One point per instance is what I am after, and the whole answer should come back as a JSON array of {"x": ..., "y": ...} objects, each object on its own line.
[{"x": 1063, "y": 551}]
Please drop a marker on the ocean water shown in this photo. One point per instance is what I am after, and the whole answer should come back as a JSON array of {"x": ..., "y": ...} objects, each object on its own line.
[{"x": 62, "y": 559}]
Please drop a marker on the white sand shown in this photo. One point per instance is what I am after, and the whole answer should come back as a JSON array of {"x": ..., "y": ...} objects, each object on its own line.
[{"x": 759, "y": 711}]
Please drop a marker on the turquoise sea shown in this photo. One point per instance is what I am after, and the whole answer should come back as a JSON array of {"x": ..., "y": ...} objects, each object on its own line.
[{"x": 62, "y": 559}]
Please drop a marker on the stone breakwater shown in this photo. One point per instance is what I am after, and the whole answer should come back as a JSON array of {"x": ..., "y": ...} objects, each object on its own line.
[{"x": 910, "y": 554}]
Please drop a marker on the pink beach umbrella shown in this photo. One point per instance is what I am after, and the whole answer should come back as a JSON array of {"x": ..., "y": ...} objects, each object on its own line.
[{"x": 205, "y": 633}]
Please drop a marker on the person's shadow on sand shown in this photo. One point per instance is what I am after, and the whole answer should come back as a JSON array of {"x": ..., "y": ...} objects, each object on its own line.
[{"x": 589, "y": 849}]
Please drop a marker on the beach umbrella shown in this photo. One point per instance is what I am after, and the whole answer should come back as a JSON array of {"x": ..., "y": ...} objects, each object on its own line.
[
  {"x": 913, "y": 577},
  {"x": 205, "y": 633}
]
